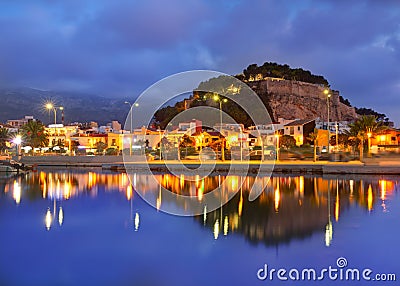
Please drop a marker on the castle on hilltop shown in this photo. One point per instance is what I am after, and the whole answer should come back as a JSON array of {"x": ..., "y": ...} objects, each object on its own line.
[{"x": 293, "y": 99}]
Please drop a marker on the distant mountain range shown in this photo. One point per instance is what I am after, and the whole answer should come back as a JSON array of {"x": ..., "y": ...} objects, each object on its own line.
[{"x": 18, "y": 102}]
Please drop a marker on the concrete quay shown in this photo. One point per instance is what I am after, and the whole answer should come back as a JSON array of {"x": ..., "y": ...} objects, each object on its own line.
[{"x": 376, "y": 167}]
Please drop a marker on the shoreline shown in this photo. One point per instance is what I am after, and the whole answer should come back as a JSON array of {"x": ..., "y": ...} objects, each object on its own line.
[{"x": 116, "y": 163}]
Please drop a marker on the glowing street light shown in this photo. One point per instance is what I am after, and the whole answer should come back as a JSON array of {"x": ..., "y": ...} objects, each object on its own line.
[
  {"x": 50, "y": 106},
  {"x": 220, "y": 100},
  {"x": 17, "y": 141},
  {"x": 328, "y": 96}
]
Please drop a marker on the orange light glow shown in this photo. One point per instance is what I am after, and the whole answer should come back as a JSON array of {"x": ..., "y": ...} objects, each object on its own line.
[
  {"x": 301, "y": 186},
  {"x": 182, "y": 181},
  {"x": 383, "y": 185},
  {"x": 370, "y": 198},
  {"x": 337, "y": 206},
  {"x": 67, "y": 190},
  {"x": 129, "y": 192},
  {"x": 234, "y": 183},
  {"x": 216, "y": 229},
  {"x": 200, "y": 192},
  {"x": 159, "y": 200},
  {"x": 240, "y": 208},
  {"x": 197, "y": 180},
  {"x": 277, "y": 199},
  {"x": 17, "y": 192}
]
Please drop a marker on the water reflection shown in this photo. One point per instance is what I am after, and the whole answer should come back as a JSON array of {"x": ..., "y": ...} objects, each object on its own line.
[
  {"x": 288, "y": 208},
  {"x": 297, "y": 207}
]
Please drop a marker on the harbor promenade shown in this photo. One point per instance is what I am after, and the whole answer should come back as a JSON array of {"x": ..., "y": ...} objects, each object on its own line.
[{"x": 368, "y": 166}]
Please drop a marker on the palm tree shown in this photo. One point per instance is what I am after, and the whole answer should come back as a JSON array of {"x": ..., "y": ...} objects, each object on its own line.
[
  {"x": 5, "y": 136},
  {"x": 34, "y": 134},
  {"x": 313, "y": 136},
  {"x": 365, "y": 126},
  {"x": 185, "y": 142},
  {"x": 100, "y": 147}
]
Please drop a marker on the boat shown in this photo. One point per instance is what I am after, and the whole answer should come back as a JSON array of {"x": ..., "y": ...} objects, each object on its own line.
[{"x": 11, "y": 166}]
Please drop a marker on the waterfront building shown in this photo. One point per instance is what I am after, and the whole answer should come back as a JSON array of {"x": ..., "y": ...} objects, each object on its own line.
[
  {"x": 300, "y": 130},
  {"x": 18, "y": 123}
]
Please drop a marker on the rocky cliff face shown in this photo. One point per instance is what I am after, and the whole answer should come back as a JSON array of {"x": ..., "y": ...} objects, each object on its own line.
[{"x": 294, "y": 99}]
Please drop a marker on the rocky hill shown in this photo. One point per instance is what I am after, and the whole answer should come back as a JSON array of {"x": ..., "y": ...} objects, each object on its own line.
[{"x": 295, "y": 99}]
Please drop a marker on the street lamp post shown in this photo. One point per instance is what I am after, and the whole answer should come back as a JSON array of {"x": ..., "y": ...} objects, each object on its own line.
[
  {"x": 277, "y": 146},
  {"x": 369, "y": 134},
  {"x": 51, "y": 106},
  {"x": 241, "y": 142},
  {"x": 17, "y": 141},
  {"x": 159, "y": 132},
  {"x": 218, "y": 99},
  {"x": 337, "y": 136},
  {"x": 131, "y": 127},
  {"x": 328, "y": 96}
]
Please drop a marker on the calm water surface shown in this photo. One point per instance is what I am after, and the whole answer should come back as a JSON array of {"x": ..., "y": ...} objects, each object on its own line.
[{"x": 91, "y": 228}]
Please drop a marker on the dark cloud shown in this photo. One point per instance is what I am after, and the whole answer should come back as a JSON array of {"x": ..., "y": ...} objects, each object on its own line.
[{"x": 121, "y": 47}]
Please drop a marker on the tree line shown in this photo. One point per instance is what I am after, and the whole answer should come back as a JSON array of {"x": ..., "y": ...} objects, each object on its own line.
[{"x": 270, "y": 69}]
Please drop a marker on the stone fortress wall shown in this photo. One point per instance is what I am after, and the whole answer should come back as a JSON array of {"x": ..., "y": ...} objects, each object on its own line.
[{"x": 294, "y": 99}]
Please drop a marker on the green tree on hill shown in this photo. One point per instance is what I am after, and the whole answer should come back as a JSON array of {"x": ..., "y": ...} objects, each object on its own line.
[
  {"x": 270, "y": 69},
  {"x": 368, "y": 111}
]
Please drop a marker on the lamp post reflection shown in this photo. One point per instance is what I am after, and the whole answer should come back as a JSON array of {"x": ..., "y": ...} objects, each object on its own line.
[
  {"x": 58, "y": 191},
  {"x": 137, "y": 221},
  {"x": 159, "y": 198},
  {"x": 370, "y": 198},
  {"x": 383, "y": 185},
  {"x": 337, "y": 203},
  {"x": 50, "y": 217},
  {"x": 17, "y": 192},
  {"x": 60, "y": 216},
  {"x": 329, "y": 226},
  {"x": 226, "y": 225},
  {"x": 277, "y": 196},
  {"x": 205, "y": 215},
  {"x": 216, "y": 229}
]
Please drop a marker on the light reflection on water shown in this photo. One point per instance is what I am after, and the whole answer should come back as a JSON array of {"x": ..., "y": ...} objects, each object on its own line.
[
  {"x": 291, "y": 208},
  {"x": 288, "y": 207}
]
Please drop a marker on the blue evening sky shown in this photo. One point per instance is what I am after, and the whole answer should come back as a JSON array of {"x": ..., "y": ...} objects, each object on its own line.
[{"x": 119, "y": 48}]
